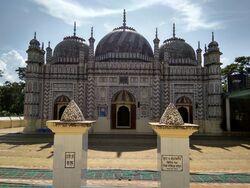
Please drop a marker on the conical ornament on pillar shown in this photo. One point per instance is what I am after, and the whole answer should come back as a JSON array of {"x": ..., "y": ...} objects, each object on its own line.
[
  {"x": 171, "y": 116},
  {"x": 72, "y": 113}
]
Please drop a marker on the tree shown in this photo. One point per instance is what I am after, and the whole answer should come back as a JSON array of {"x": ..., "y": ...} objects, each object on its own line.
[
  {"x": 240, "y": 65},
  {"x": 21, "y": 72},
  {"x": 11, "y": 98}
]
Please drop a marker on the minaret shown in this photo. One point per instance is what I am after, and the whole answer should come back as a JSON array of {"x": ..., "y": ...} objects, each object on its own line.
[
  {"x": 198, "y": 53},
  {"x": 48, "y": 53},
  {"x": 91, "y": 46},
  {"x": 33, "y": 85},
  {"x": 156, "y": 45},
  {"x": 212, "y": 64}
]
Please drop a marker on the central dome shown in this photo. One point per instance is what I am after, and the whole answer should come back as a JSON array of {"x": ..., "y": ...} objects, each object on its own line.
[{"x": 123, "y": 44}]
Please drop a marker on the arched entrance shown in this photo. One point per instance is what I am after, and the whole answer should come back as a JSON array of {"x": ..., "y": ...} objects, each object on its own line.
[
  {"x": 185, "y": 107},
  {"x": 59, "y": 106},
  {"x": 123, "y": 111},
  {"x": 123, "y": 117}
]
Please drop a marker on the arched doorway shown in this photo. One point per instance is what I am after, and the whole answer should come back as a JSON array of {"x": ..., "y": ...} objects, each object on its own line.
[
  {"x": 123, "y": 117},
  {"x": 123, "y": 111},
  {"x": 59, "y": 106},
  {"x": 184, "y": 114},
  {"x": 185, "y": 107}
]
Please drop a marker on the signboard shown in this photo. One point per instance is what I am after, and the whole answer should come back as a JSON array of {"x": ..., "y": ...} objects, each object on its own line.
[
  {"x": 70, "y": 159},
  {"x": 172, "y": 163}
]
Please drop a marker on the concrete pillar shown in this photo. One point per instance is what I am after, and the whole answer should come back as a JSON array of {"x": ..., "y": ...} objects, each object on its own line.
[
  {"x": 173, "y": 148},
  {"x": 70, "y": 148},
  {"x": 228, "y": 114}
]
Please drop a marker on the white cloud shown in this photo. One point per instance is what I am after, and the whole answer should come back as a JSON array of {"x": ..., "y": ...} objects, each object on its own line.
[
  {"x": 109, "y": 27},
  {"x": 186, "y": 12},
  {"x": 70, "y": 12},
  {"x": 9, "y": 62}
]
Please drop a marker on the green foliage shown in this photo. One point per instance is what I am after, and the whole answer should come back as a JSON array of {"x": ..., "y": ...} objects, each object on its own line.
[
  {"x": 21, "y": 72},
  {"x": 11, "y": 98},
  {"x": 241, "y": 64}
]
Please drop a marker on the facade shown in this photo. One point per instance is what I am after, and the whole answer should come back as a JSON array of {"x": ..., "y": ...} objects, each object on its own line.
[{"x": 124, "y": 83}]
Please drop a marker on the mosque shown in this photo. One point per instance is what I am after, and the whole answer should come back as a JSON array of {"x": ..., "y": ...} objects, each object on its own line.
[{"x": 123, "y": 83}]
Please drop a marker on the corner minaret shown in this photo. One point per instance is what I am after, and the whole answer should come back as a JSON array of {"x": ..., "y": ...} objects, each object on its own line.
[
  {"x": 212, "y": 64},
  {"x": 198, "y": 53},
  {"x": 33, "y": 86}
]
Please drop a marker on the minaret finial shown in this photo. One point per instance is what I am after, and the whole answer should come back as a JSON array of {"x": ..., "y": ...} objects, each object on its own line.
[
  {"x": 212, "y": 36},
  {"x": 124, "y": 18},
  {"x": 156, "y": 32},
  {"x": 35, "y": 35},
  {"x": 42, "y": 46},
  {"x": 205, "y": 47},
  {"x": 92, "y": 32},
  {"x": 199, "y": 45},
  {"x": 74, "y": 28},
  {"x": 49, "y": 44},
  {"x": 174, "y": 30}
]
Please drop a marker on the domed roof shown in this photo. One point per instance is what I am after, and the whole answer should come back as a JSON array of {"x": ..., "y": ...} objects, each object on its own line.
[
  {"x": 177, "y": 48},
  {"x": 34, "y": 42},
  {"x": 68, "y": 51},
  {"x": 123, "y": 43}
]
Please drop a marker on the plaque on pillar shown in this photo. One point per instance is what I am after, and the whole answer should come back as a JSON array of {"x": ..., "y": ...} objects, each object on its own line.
[
  {"x": 70, "y": 147},
  {"x": 173, "y": 148}
]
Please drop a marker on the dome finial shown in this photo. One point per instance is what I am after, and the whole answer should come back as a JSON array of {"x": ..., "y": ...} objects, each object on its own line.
[
  {"x": 173, "y": 30},
  {"x": 92, "y": 32},
  {"x": 199, "y": 46},
  {"x": 49, "y": 44},
  {"x": 124, "y": 18},
  {"x": 205, "y": 48},
  {"x": 35, "y": 35},
  {"x": 42, "y": 46},
  {"x": 74, "y": 28},
  {"x": 213, "y": 36},
  {"x": 156, "y": 32}
]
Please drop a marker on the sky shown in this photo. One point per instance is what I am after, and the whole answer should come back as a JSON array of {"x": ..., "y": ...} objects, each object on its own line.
[{"x": 195, "y": 20}]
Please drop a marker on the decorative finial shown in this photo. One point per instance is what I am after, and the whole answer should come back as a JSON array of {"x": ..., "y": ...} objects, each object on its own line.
[
  {"x": 49, "y": 44},
  {"x": 205, "y": 47},
  {"x": 199, "y": 45},
  {"x": 124, "y": 18},
  {"x": 35, "y": 35},
  {"x": 72, "y": 113},
  {"x": 171, "y": 116},
  {"x": 74, "y": 28},
  {"x": 213, "y": 36},
  {"x": 42, "y": 46},
  {"x": 156, "y": 32},
  {"x": 174, "y": 30},
  {"x": 92, "y": 32}
]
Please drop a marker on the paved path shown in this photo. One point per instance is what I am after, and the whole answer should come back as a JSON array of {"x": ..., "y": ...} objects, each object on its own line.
[{"x": 214, "y": 161}]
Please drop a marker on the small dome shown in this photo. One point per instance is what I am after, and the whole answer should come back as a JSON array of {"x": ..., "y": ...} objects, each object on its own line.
[
  {"x": 123, "y": 43},
  {"x": 34, "y": 42},
  {"x": 68, "y": 51},
  {"x": 178, "y": 51}
]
